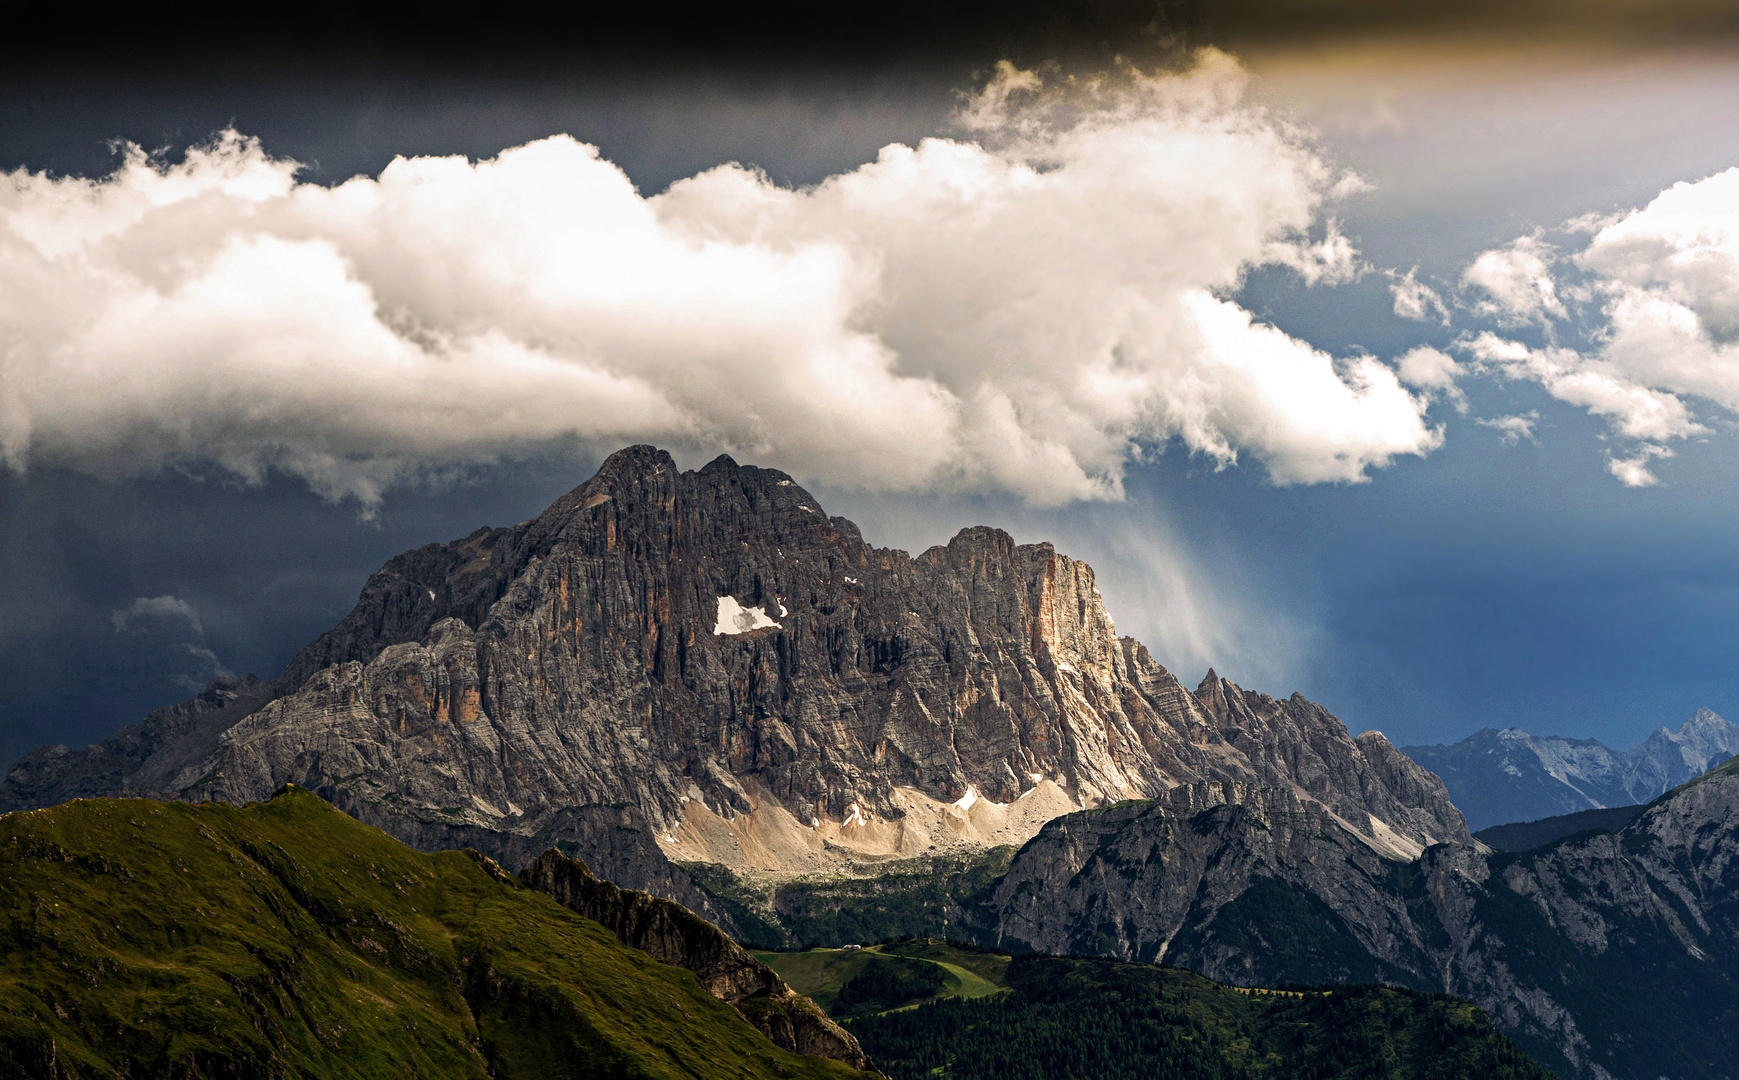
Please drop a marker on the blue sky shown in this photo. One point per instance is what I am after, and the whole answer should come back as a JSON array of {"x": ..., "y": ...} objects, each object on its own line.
[{"x": 1488, "y": 582}]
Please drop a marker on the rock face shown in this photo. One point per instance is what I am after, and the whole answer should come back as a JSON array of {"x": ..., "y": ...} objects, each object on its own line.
[
  {"x": 1497, "y": 777},
  {"x": 671, "y": 934},
  {"x": 1605, "y": 956},
  {"x": 757, "y": 685},
  {"x": 1166, "y": 880},
  {"x": 1667, "y": 759},
  {"x": 141, "y": 758}
]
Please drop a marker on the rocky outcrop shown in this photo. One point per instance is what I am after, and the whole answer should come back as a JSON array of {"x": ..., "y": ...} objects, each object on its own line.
[
  {"x": 1498, "y": 777},
  {"x": 614, "y": 837},
  {"x": 671, "y": 934},
  {"x": 1604, "y": 955},
  {"x": 761, "y": 686},
  {"x": 142, "y": 758},
  {"x": 1151, "y": 881}
]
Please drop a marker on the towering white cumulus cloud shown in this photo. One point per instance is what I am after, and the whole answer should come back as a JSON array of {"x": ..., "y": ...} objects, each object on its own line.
[
  {"x": 1027, "y": 311},
  {"x": 1666, "y": 278}
]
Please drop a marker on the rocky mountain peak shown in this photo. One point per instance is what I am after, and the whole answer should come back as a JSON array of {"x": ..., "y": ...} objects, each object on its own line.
[
  {"x": 1510, "y": 776},
  {"x": 1212, "y": 696},
  {"x": 758, "y": 683}
]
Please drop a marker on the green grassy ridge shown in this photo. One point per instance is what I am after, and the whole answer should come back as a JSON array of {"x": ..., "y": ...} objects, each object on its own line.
[
  {"x": 818, "y": 974},
  {"x": 1111, "y": 1020},
  {"x": 288, "y": 940},
  {"x": 986, "y": 964},
  {"x": 824, "y": 975}
]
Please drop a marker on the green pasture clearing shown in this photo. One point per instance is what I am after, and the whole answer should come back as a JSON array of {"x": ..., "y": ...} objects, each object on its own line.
[
  {"x": 977, "y": 969},
  {"x": 822, "y": 973}
]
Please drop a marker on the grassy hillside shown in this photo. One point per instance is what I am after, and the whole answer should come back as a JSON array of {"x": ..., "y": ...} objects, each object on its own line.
[
  {"x": 1108, "y": 1020},
  {"x": 287, "y": 940},
  {"x": 826, "y": 974}
]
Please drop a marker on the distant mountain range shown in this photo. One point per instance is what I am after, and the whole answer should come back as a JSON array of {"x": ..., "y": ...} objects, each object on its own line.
[{"x": 1497, "y": 777}]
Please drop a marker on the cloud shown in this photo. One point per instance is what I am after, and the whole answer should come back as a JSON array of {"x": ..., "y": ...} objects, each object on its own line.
[
  {"x": 209, "y": 667},
  {"x": 1633, "y": 472},
  {"x": 1670, "y": 276},
  {"x": 157, "y": 607},
  {"x": 1414, "y": 299},
  {"x": 1027, "y": 311},
  {"x": 1513, "y": 428},
  {"x": 174, "y": 609},
  {"x": 1434, "y": 372},
  {"x": 1517, "y": 282},
  {"x": 1666, "y": 279},
  {"x": 1635, "y": 411}
]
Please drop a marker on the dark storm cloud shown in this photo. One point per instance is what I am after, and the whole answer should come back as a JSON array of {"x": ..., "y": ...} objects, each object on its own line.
[
  {"x": 116, "y": 598},
  {"x": 1272, "y": 23}
]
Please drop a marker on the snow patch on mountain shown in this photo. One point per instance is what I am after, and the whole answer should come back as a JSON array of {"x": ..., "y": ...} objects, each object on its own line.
[{"x": 734, "y": 618}]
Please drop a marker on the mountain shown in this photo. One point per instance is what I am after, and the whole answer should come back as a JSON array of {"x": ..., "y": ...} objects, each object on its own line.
[
  {"x": 705, "y": 667},
  {"x": 1667, "y": 759},
  {"x": 1497, "y": 777},
  {"x": 709, "y": 690},
  {"x": 287, "y": 940},
  {"x": 1606, "y": 954},
  {"x": 284, "y": 939}
]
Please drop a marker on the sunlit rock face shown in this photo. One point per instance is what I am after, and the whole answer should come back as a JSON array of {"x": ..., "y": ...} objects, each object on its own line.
[{"x": 760, "y": 686}]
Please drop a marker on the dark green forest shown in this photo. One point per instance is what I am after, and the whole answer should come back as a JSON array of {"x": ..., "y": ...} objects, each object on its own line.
[
  {"x": 888, "y": 985},
  {"x": 1074, "y": 1019}
]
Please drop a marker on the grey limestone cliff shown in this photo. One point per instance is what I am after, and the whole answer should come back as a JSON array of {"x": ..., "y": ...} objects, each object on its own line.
[
  {"x": 1604, "y": 955},
  {"x": 758, "y": 685}
]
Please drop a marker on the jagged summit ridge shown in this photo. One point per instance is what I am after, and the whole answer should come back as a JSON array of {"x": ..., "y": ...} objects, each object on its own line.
[
  {"x": 1510, "y": 775},
  {"x": 880, "y": 703}
]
